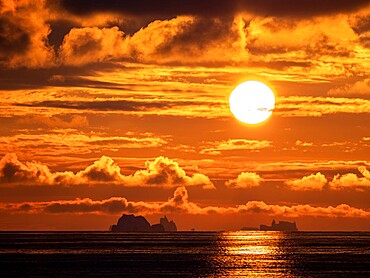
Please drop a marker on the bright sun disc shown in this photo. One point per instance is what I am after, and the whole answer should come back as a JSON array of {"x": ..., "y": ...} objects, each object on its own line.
[{"x": 252, "y": 102}]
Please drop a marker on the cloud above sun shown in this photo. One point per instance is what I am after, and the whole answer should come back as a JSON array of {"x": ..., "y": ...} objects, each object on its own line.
[
  {"x": 230, "y": 32},
  {"x": 216, "y": 7}
]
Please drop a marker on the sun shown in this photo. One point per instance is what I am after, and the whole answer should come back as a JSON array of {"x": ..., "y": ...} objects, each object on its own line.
[{"x": 252, "y": 102}]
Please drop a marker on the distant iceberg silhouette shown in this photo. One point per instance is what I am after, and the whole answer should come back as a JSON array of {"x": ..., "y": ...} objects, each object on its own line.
[
  {"x": 282, "y": 226},
  {"x": 132, "y": 223},
  {"x": 169, "y": 226}
]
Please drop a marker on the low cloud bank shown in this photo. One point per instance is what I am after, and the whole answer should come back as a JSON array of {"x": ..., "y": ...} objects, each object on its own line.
[
  {"x": 178, "y": 203},
  {"x": 161, "y": 172}
]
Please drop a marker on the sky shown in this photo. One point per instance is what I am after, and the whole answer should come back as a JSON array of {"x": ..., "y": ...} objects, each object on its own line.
[{"x": 111, "y": 107}]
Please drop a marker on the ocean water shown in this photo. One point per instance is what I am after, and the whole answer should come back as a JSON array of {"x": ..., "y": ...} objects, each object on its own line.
[{"x": 185, "y": 254}]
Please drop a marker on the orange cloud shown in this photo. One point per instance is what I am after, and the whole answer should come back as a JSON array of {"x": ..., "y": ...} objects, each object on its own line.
[
  {"x": 351, "y": 180},
  {"x": 90, "y": 45},
  {"x": 312, "y": 182},
  {"x": 342, "y": 210},
  {"x": 175, "y": 40},
  {"x": 307, "y": 106},
  {"x": 165, "y": 172},
  {"x": 245, "y": 180},
  {"x": 23, "y": 33},
  {"x": 14, "y": 171},
  {"x": 329, "y": 44},
  {"x": 235, "y": 144},
  {"x": 303, "y": 144},
  {"x": 364, "y": 172},
  {"x": 178, "y": 203},
  {"x": 74, "y": 121},
  {"x": 102, "y": 170},
  {"x": 162, "y": 172},
  {"x": 332, "y": 43},
  {"x": 72, "y": 141},
  {"x": 361, "y": 87},
  {"x": 44, "y": 103}
]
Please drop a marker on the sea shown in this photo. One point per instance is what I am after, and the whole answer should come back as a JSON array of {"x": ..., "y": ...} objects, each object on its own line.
[{"x": 185, "y": 254}]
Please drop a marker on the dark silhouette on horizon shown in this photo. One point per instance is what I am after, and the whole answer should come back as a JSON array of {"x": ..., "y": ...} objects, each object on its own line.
[
  {"x": 132, "y": 223},
  {"x": 283, "y": 226}
]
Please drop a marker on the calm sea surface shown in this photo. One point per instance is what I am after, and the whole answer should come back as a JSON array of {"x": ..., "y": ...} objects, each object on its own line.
[{"x": 185, "y": 254}]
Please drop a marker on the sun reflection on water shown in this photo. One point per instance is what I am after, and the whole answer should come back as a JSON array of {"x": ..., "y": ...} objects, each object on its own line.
[
  {"x": 252, "y": 254},
  {"x": 251, "y": 243}
]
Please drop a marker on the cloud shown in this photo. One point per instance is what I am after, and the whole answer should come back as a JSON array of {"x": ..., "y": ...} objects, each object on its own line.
[
  {"x": 364, "y": 172},
  {"x": 351, "y": 180},
  {"x": 136, "y": 106},
  {"x": 342, "y": 210},
  {"x": 207, "y": 8},
  {"x": 303, "y": 144},
  {"x": 360, "y": 23},
  {"x": 235, "y": 144},
  {"x": 358, "y": 88},
  {"x": 58, "y": 76},
  {"x": 178, "y": 203},
  {"x": 23, "y": 34},
  {"x": 245, "y": 180},
  {"x": 103, "y": 105},
  {"x": 307, "y": 106},
  {"x": 102, "y": 170},
  {"x": 169, "y": 33},
  {"x": 14, "y": 171},
  {"x": 279, "y": 171},
  {"x": 167, "y": 173},
  {"x": 74, "y": 121},
  {"x": 312, "y": 182},
  {"x": 162, "y": 172},
  {"x": 339, "y": 182},
  {"x": 64, "y": 141},
  {"x": 208, "y": 107},
  {"x": 90, "y": 45},
  {"x": 176, "y": 40},
  {"x": 113, "y": 205},
  {"x": 224, "y": 40}
]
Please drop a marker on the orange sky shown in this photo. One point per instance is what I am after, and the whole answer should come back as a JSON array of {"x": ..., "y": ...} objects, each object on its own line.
[{"x": 118, "y": 107}]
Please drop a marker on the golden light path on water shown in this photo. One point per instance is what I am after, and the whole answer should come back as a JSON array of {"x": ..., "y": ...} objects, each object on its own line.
[{"x": 253, "y": 254}]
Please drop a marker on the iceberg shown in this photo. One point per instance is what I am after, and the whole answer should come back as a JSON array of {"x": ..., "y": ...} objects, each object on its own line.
[
  {"x": 282, "y": 226},
  {"x": 132, "y": 223}
]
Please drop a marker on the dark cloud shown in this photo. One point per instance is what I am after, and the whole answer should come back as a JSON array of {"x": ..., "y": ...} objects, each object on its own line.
[
  {"x": 146, "y": 7},
  {"x": 280, "y": 65},
  {"x": 199, "y": 35},
  {"x": 62, "y": 76},
  {"x": 23, "y": 34},
  {"x": 112, "y": 105},
  {"x": 361, "y": 24},
  {"x": 14, "y": 171},
  {"x": 59, "y": 28},
  {"x": 13, "y": 39},
  {"x": 302, "y": 8}
]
